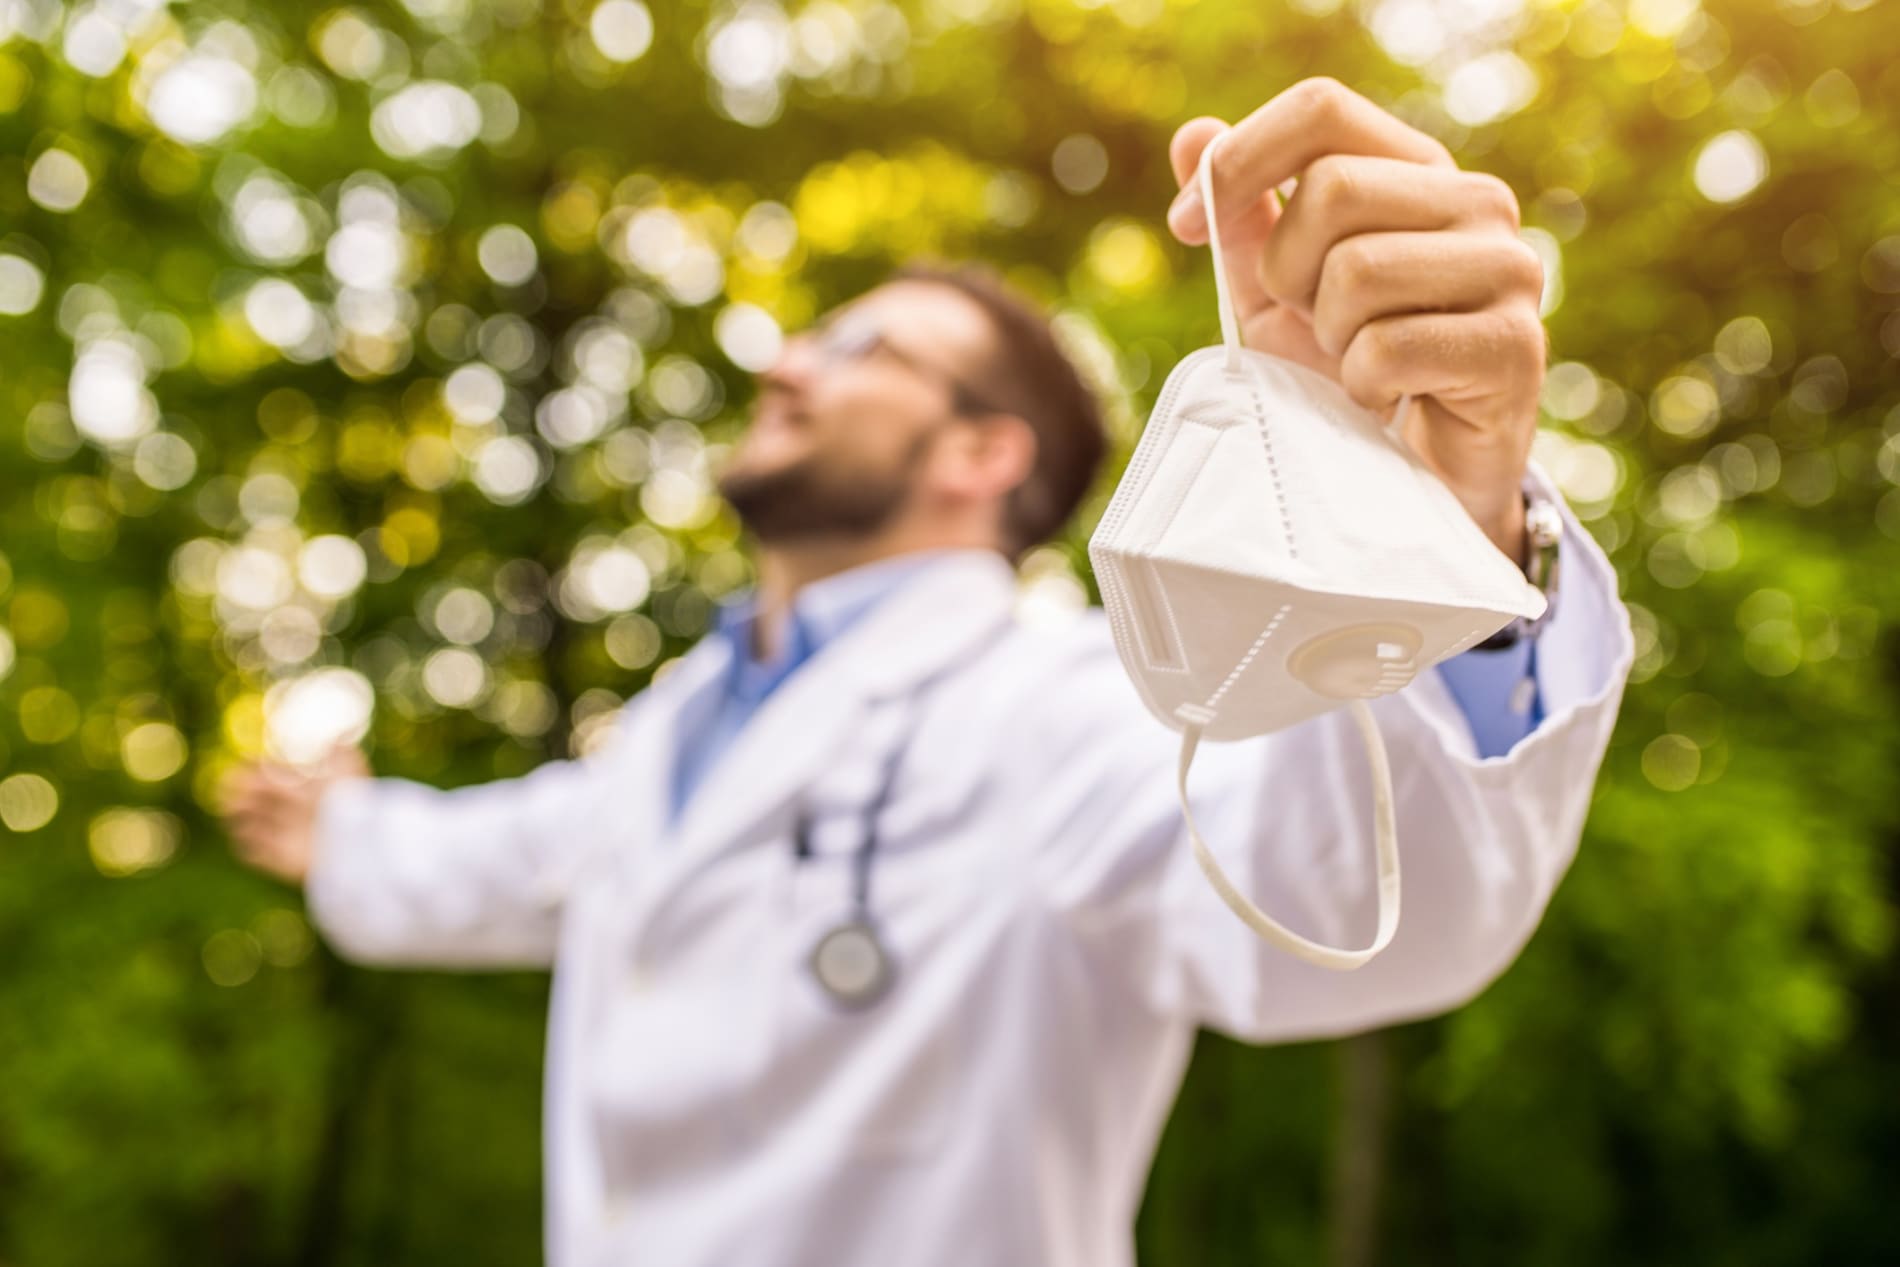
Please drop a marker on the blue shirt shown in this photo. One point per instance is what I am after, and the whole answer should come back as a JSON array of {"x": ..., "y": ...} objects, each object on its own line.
[
  {"x": 1496, "y": 690},
  {"x": 820, "y": 612}
]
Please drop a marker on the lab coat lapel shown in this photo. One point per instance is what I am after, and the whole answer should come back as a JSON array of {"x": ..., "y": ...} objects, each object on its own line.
[
  {"x": 940, "y": 616},
  {"x": 650, "y": 754}
]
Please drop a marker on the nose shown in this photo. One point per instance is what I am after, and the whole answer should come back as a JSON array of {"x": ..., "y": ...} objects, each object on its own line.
[{"x": 796, "y": 366}]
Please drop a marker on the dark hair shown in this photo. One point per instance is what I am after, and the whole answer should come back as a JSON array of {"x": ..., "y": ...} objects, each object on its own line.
[{"x": 1029, "y": 375}]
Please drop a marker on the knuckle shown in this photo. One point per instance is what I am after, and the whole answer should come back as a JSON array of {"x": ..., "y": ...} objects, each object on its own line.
[
  {"x": 1329, "y": 185},
  {"x": 1523, "y": 266},
  {"x": 1537, "y": 347},
  {"x": 1221, "y": 164},
  {"x": 1493, "y": 200},
  {"x": 1347, "y": 269},
  {"x": 1525, "y": 343},
  {"x": 1321, "y": 95},
  {"x": 1376, "y": 350}
]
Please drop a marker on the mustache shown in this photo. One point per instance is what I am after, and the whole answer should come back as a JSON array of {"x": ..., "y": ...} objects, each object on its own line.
[{"x": 777, "y": 396}]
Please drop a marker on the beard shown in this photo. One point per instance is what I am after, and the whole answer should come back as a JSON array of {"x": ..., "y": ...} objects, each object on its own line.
[{"x": 816, "y": 498}]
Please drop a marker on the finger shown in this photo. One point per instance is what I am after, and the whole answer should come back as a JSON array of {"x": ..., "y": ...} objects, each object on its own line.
[
  {"x": 1485, "y": 367},
  {"x": 344, "y": 761},
  {"x": 245, "y": 818},
  {"x": 1241, "y": 237},
  {"x": 252, "y": 838},
  {"x": 252, "y": 850},
  {"x": 1313, "y": 118},
  {"x": 281, "y": 776},
  {"x": 1185, "y": 146},
  {"x": 272, "y": 855},
  {"x": 1342, "y": 196},
  {"x": 1240, "y": 224},
  {"x": 262, "y": 813},
  {"x": 243, "y": 783},
  {"x": 1378, "y": 275},
  {"x": 235, "y": 798},
  {"x": 1285, "y": 333},
  {"x": 1478, "y": 447},
  {"x": 271, "y": 863}
]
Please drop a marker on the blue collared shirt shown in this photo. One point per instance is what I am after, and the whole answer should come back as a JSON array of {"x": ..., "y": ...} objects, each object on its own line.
[
  {"x": 820, "y": 612},
  {"x": 1496, "y": 690}
]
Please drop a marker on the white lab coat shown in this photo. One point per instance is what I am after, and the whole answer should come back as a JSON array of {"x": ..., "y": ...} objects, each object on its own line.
[{"x": 706, "y": 1106}]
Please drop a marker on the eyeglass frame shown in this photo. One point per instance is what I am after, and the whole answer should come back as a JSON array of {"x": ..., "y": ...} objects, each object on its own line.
[{"x": 853, "y": 336}]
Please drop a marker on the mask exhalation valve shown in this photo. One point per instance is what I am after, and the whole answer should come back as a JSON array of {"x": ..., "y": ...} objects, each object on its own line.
[{"x": 1359, "y": 661}]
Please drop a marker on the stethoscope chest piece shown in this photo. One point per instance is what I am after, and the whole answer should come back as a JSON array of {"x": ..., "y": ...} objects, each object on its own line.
[{"x": 851, "y": 964}]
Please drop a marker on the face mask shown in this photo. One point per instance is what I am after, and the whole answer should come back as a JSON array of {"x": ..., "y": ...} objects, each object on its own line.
[{"x": 1274, "y": 551}]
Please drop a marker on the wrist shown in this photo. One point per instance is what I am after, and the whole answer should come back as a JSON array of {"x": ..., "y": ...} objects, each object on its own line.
[
  {"x": 1509, "y": 534},
  {"x": 1540, "y": 535},
  {"x": 1506, "y": 528}
]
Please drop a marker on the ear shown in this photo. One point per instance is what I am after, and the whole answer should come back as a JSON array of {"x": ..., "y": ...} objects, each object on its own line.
[{"x": 986, "y": 458}]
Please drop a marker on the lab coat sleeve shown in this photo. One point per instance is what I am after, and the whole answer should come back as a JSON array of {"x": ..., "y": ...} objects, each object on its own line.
[
  {"x": 1483, "y": 841},
  {"x": 410, "y": 875}
]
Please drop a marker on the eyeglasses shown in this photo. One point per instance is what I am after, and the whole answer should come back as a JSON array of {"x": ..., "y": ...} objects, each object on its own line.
[{"x": 855, "y": 336}]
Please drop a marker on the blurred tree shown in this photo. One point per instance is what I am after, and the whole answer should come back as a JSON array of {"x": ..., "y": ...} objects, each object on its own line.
[{"x": 382, "y": 352}]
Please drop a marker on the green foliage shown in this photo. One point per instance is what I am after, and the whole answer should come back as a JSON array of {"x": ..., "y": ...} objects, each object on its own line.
[{"x": 400, "y": 340}]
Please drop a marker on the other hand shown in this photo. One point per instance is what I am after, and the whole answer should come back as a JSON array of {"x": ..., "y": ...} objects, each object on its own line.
[
  {"x": 1390, "y": 271},
  {"x": 271, "y": 810}
]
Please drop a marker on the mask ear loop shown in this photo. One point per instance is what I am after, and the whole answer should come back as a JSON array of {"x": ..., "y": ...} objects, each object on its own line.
[
  {"x": 1385, "y": 848},
  {"x": 1385, "y": 825},
  {"x": 1229, "y": 323}
]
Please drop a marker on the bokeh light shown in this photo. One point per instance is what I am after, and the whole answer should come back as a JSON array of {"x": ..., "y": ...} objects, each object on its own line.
[
  {"x": 58, "y": 181},
  {"x": 27, "y": 802},
  {"x": 1730, "y": 166},
  {"x": 307, "y": 716},
  {"x": 621, "y": 29},
  {"x": 21, "y": 286}
]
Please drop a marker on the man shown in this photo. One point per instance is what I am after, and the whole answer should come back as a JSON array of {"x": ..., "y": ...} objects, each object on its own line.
[{"x": 872, "y": 742}]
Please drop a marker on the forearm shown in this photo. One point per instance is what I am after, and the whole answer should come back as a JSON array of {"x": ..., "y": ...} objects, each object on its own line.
[
  {"x": 1484, "y": 842},
  {"x": 407, "y": 874}
]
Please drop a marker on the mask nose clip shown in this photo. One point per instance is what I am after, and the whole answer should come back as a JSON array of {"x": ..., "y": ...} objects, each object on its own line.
[{"x": 1358, "y": 661}]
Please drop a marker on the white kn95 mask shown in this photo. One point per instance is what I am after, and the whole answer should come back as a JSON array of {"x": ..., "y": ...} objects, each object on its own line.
[{"x": 1275, "y": 551}]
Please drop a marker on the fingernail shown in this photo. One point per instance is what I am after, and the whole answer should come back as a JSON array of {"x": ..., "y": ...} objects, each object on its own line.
[{"x": 1184, "y": 216}]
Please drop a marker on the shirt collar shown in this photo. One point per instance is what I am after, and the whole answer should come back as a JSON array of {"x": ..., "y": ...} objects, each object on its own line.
[{"x": 820, "y": 612}]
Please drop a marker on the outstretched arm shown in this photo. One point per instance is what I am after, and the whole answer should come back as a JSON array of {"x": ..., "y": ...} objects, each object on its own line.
[
  {"x": 1483, "y": 841},
  {"x": 1398, "y": 275},
  {"x": 399, "y": 873}
]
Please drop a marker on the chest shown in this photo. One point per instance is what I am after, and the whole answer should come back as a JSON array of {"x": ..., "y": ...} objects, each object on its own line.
[{"x": 705, "y": 1028}]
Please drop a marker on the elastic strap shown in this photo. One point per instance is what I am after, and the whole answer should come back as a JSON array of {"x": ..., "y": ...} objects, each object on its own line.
[
  {"x": 1229, "y": 321},
  {"x": 1386, "y": 848}
]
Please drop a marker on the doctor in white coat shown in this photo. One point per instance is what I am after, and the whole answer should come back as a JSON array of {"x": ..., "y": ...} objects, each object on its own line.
[{"x": 874, "y": 740}]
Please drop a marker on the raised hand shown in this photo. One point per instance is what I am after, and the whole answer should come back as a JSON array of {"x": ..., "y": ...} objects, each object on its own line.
[{"x": 1388, "y": 269}]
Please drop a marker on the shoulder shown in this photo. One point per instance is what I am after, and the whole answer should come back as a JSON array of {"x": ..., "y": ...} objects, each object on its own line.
[{"x": 1060, "y": 683}]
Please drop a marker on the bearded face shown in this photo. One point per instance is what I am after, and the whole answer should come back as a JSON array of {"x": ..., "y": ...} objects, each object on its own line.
[
  {"x": 845, "y": 422},
  {"x": 828, "y": 494}
]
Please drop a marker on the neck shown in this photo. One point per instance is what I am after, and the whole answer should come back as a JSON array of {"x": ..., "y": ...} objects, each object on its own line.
[{"x": 787, "y": 568}]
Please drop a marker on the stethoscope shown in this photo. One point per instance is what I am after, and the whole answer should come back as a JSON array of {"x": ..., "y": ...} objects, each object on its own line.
[{"x": 851, "y": 962}]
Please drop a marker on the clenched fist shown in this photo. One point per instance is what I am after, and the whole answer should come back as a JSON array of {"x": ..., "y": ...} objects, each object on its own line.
[
  {"x": 271, "y": 810},
  {"x": 1390, "y": 271}
]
